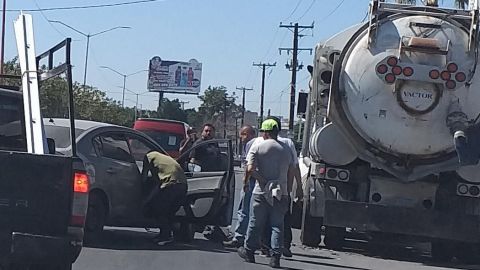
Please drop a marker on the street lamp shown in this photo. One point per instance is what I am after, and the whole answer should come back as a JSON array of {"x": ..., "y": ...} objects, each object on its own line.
[
  {"x": 136, "y": 102},
  {"x": 88, "y": 36},
  {"x": 124, "y": 79}
]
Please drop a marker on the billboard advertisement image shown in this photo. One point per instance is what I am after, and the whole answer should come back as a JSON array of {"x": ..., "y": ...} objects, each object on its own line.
[{"x": 174, "y": 76}]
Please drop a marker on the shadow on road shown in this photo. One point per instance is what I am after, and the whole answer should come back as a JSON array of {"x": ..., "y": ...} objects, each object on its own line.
[
  {"x": 114, "y": 239},
  {"x": 401, "y": 252},
  {"x": 324, "y": 264}
]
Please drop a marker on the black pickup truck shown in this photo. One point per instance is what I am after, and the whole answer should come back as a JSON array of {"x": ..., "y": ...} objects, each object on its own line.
[{"x": 43, "y": 198}]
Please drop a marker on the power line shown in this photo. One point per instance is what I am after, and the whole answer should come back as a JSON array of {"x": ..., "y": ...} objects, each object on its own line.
[
  {"x": 45, "y": 17},
  {"x": 85, "y": 7},
  {"x": 333, "y": 11},
  {"x": 293, "y": 11},
  {"x": 306, "y": 11}
]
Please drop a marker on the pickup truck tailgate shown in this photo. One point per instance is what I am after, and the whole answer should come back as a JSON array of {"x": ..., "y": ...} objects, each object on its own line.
[{"x": 35, "y": 193}]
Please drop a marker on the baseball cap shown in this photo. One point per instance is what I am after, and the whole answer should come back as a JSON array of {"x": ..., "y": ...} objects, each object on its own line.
[{"x": 269, "y": 125}]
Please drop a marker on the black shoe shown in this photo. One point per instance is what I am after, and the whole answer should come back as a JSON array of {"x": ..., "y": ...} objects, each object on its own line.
[
  {"x": 287, "y": 253},
  {"x": 246, "y": 254},
  {"x": 265, "y": 252},
  {"x": 275, "y": 261},
  {"x": 234, "y": 243}
]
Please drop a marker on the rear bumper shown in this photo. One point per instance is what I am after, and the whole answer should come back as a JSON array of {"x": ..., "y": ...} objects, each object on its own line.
[
  {"x": 430, "y": 224},
  {"x": 23, "y": 247}
]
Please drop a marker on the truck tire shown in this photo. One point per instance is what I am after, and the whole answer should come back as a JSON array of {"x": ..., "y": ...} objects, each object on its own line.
[
  {"x": 334, "y": 237},
  {"x": 311, "y": 234},
  {"x": 96, "y": 214},
  {"x": 442, "y": 251}
]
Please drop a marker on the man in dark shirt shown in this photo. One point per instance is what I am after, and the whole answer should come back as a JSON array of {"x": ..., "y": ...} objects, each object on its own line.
[
  {"x": 188, "y": 142},
  {"x": 206, "y": 156}
]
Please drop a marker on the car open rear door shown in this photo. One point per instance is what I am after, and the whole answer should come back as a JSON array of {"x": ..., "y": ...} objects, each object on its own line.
[{"x": 211, "y": 191}]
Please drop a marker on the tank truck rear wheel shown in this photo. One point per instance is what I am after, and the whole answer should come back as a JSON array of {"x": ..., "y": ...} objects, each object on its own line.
[
  {"x": 311, "y": 234},
  {"x": 442, "y": 251},
  {"x": 334, "y": 237}
]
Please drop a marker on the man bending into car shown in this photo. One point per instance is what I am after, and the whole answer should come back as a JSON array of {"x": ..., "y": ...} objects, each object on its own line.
[{"x": 168, "y": 194}]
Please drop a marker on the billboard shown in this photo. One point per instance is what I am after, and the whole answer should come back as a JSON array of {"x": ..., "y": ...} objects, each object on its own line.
[{"x": 174, "y": 76}]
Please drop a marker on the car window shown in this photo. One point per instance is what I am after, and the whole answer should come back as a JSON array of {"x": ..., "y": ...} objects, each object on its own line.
[
  {"x": 12, "y": 129},
  {"x": 115, "y": 147},
  {"x": 61, "y": 135},
  {"x": 139, "y": 147},
  {"x": 168, "y": 141}
]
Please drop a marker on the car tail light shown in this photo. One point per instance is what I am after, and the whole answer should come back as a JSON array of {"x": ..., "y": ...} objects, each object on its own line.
[
  {"x": 451, "y": 84},
  {"x": 396, "y": 70},
  {"x": 434, "y": 74},
  {"x": 392, "y": 61},
  {"x": 81, "y": 186},
  {"x": 445, "y": 75},
  {"x": 460, "y": 77},
  {"x": 468, "y": 190},
  {"x": 80, "y": 182},
  {"x": 452, "y": 67},
  {"x": 408, "y": 71},
  {"x": 390, "y": 78},
  {"x": 382, "y": 69},
  {"x": 474, "y": 190}
]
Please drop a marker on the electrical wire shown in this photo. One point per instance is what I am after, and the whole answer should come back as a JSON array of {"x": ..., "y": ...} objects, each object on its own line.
[
  {"x": 85, "y": 7},
  {"x": 333, "y": 11},
  {"x": 294, "y": 10},
  {"x": 49, "y": 22},
  {"x": 306, "y": 11}
]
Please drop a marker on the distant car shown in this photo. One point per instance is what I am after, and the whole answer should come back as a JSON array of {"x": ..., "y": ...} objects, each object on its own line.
[
  {"x": 114, "y": 156},
  {"x": 167, "y": 133}
]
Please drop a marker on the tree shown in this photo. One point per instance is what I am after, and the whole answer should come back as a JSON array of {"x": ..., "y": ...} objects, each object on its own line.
[{"x": 171, "y": 109}]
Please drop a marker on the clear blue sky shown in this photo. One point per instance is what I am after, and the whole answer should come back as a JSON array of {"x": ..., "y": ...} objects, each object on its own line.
[{"x": 227, "y": 36}]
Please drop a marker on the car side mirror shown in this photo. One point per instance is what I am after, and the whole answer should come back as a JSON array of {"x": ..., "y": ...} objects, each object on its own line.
[{"x": 51, "y": 146}]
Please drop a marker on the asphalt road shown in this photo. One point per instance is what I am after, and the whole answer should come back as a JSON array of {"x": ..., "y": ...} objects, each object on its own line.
[{"x": 128, "y": 248}]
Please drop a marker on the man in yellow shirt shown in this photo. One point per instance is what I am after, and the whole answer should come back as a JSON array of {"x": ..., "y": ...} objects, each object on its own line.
[{"x": 168, "y": 194}]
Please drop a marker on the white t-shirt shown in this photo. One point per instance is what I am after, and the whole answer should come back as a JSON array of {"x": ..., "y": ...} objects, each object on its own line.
[{"x": 286, "y": 141}]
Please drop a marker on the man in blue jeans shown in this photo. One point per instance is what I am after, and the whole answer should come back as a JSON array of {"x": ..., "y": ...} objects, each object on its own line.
[
  {"x": 247, "y": 133},
  {"x": 269, "y": 162}
]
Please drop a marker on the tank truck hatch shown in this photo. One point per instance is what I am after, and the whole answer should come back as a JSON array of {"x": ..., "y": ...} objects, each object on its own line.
[{"x": 379, "y": 10}]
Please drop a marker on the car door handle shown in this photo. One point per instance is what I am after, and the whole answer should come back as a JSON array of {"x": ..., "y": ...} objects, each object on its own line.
[{"x": 111, "y": 171}]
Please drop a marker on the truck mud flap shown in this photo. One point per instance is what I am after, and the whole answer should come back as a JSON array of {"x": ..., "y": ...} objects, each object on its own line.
[
  {"x": 367, "y": 217},
  {"x": 40, "y": 249}
]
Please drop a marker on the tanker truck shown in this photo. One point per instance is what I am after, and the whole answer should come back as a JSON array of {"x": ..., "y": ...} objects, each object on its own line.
[{"x": 390, "y": 138}]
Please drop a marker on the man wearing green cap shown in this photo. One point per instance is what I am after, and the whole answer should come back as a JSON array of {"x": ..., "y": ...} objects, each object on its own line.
[{"x": 269, "y": 162}]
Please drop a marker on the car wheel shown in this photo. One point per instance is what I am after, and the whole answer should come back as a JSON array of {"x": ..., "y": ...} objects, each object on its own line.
[{"x": 96, "y": 214}]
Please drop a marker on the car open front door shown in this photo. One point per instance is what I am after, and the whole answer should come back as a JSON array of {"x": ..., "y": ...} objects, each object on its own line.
[{"x": 211, "y": 189}]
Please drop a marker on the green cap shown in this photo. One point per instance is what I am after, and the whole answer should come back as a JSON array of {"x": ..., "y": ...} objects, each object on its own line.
[{"x": 269, "y": 125}]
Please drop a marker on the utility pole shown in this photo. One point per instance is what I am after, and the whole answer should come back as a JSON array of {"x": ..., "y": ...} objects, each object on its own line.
[
  {"x": 243, "y": 89},
  {"x": 264, "y": 67},
  {"x": 2, "y": 53},
  {"x": 183, "y": 104},
  {"x": 293, "y": 66}
]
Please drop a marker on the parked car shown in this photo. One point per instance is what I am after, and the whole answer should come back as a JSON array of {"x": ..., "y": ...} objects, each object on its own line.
[
  {"x": 167, "y": 133},
  {"x": 114, "y": 156}
]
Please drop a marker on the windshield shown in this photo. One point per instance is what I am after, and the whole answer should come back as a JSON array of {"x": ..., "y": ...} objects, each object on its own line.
[
  {"x": 168, "y": 141},
  {"x": 61, "y": 135}
]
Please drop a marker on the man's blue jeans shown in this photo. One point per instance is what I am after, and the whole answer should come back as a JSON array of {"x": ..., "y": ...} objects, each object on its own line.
[
  {"x": 243, "y": 213},
  {"x": 265, "y": 214}
]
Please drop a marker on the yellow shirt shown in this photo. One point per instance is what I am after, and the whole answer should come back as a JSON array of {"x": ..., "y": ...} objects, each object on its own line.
[{"x": 169, "y": 171}]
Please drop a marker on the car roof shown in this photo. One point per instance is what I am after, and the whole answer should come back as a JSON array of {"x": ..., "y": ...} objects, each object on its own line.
[{"x": 79, "y": 124}]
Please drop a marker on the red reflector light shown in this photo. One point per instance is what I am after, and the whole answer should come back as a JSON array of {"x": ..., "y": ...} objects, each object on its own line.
[
  {"x": 382, "y": 69},
  {"x": 77, "y": 220},
  {"x": 390, "y": 78},
  {"x": 445, "y": 75},
  {"x": 452, "y": 67},
  {"x": 80, "y": 182},
  {"x": 460, "y": 77},
  {"x": 396, "y": 70},
  {"x": 434, "y": 74},
  {"x": 408, "y": 71},
  {"x": 451, "y": 84},
  {"x": 322, "y": 170},
  {"x": 392, "y": 61}
]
